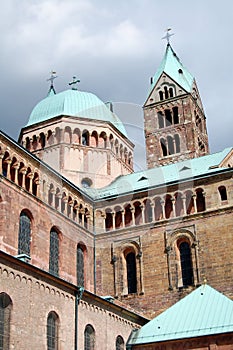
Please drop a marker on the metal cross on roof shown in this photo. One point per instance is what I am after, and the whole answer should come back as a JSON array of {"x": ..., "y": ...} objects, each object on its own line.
[
  {"x": 168, "y": 35},
  {"x": 74, "y": 82},
  {"x": 52, "y": 77}
]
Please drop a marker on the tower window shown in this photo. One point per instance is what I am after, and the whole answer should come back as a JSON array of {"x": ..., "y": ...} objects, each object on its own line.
[
  {"x": 163, "y": 146},
  {"x": 223, "y": 193},
  {"x": 168, "y": 116},
  {"x": 177, "y": 143},
  {"x": 166, "y": 92},
  {"x": 160, "y": 119},
  {"x": 175, "y": 115},
  {"x": 24, "y": 236},
  {"x": 161, "y": 95},
  {"x": 170, "y": 145},
  {"x": 131, "y": 272},
  {"x": 186, "y": 263},
  {"x": 171, "y": 92}
]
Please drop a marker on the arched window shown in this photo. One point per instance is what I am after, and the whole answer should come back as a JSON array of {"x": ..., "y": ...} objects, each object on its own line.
[
  {"x": 168, "y": 117},
  {"x": 24, "y": 236},
  {"x": 80, "y": 266},
  {"x": 119, "y": 343},
  {"x": 5, "y": 315},
  {"x": 170, "y": 145},
  {"x": 177, "y": 143},
  {"x": 163, "y": 146},
  {"x": 200, "y": 200},
  {"x": 171, "y": 92},
  {"x": 223, "y": 193},
  {"x": 166, "y": 92},
  {"x": 54, "y": 253},
  {"x": 160, "y": 119},
  {"x": 186, "y": 263},
  {"x": 85, "y": 138},
  {"x": 52, "y": 331},
  {"x": 89, "y": 338},
  {"x": 175, "y": 115},
  {"x": 161, "y": 95},
  {"x": 131, "y": 272}
]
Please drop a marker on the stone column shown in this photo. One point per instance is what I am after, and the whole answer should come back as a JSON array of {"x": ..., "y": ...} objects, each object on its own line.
[
  {"x": 153, "y": 211},
  {"x": 16, "y": 167},
  {"x": 173, "y": 207},
  {"x": 113, "y": 220},
  {"x": 184, "y": 204},
  {"x": 8, "y": 174},
  {"x": 195, "y": 202},
  {"x": 142, "y": 207},
  {"x": 132, "y": 209},
  {"x": 23, "y": 171},
  {"x": 123, "y": 218},
  {"x": 30, "y": 176},
  {"x": 162, "y": 202}
]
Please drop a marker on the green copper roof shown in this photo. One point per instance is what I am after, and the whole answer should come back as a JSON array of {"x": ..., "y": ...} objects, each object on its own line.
[
  {"x": 172, "y": 66},
  {"x": 76, "y": 104},
  {"x": 203, "y": 312},
  {"x": 162, "y": 175}
]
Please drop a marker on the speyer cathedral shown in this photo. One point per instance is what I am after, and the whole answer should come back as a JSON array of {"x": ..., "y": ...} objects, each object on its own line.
[{"x": 91, "y": 251}]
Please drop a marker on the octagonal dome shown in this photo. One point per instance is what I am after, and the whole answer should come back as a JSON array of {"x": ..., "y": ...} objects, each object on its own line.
[{"x": 74, "y": 103}]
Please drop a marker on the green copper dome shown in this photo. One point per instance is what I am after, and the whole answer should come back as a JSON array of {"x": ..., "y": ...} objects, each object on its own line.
[{"x": 74, "y": 103}]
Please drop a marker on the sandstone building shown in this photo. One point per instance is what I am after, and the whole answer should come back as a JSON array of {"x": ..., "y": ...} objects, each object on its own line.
[{"x": 74, "y": 216}]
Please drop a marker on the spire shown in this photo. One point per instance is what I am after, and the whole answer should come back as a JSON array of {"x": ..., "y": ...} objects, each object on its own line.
[
  {"x": 51, "y": 79},
  {"x": 172, "y": 66}
]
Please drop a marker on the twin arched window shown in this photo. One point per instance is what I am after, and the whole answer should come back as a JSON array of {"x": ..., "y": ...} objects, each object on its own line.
[
  {"x": 24, "y": 236},
  {"x": 54, "y": 252},
  {"x": 89, "y": 338},
  {"x": 52, "y": 331},
  {"x": 5, "y": 314}
]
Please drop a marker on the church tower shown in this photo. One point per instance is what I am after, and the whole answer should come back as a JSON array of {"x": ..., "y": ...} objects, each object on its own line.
[{"x": 174, "y": 119}]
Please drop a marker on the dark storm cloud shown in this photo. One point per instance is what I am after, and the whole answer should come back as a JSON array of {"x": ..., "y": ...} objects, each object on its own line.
[{"x": 114, "y": 48}]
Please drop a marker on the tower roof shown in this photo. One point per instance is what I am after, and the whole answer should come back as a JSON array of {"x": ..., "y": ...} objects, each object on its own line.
[
  {"x": 203, "y": 312},
  {"x": 172, "y": 66},
  {"x": 76, "y": 104}
]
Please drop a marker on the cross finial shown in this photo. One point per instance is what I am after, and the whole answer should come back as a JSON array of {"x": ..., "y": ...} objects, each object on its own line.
[
  {"x": 168, "y": 35},
  {"x": 74, "y": 82},
  {"x": 52, "y": 77}
]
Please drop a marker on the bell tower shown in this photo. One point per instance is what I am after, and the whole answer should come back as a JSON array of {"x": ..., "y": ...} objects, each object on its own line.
[{"x": 174, "y": 119}]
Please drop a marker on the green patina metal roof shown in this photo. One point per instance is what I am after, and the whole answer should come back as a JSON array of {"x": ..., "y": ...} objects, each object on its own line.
[
  {"x": 203, "y": 312},
  {"x": 162, "y": 175},
  {"x": 172, "y": 66},
  {"x": 76, "y": 104}
]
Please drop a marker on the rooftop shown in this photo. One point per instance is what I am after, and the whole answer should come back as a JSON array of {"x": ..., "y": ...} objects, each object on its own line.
[{"x": 203, "y": 312}]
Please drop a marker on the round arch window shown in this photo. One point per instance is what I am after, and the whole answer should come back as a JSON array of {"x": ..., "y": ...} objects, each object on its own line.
[{"x": 86, "y": 182}]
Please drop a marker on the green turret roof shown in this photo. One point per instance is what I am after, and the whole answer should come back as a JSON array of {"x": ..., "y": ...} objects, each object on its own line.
[
  {"x": 76, "y": 104},
  {"x": 203, "y": 312},
  {"x": 172, "y": 66}
]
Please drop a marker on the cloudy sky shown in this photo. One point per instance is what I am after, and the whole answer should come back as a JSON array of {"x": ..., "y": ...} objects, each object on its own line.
[{"x": 114, "y": 47}]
